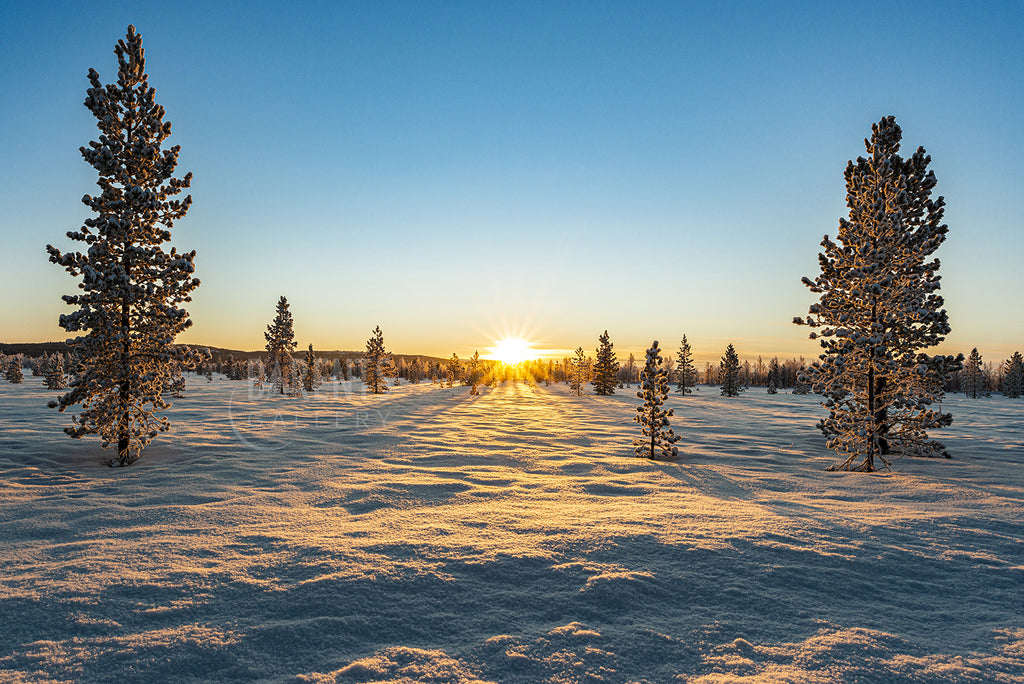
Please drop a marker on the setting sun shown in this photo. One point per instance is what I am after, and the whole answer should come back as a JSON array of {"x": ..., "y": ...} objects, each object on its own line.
[{"x": 512, "y": 350}]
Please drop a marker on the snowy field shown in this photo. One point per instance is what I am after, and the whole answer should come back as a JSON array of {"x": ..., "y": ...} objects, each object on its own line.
[{"x": 430, "y": 536}]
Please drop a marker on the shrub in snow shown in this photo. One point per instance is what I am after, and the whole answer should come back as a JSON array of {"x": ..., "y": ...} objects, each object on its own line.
[
  {"x": 1013, "y": 378},
  {"x": 879, "y": 307},
  {"x": 377, "y": 363},
  {"x": 280, "y": 336},
  {"x": 686, "y": 374},
  {"x": 658, "y": 440},
  {"x": 606, "y": 367},
  {"x": 729, "y": 373},
  {"x": 131, "y": 288}
]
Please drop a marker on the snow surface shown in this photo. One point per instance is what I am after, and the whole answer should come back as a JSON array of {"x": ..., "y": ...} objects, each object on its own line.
[{"x": 429, "y": 536}]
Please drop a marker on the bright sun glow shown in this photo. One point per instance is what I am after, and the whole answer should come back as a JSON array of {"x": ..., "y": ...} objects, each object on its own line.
[{"x": 512, "y": 350}]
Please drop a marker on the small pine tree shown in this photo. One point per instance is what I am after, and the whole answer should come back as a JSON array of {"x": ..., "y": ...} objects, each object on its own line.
[
  {"x": 14, "y": 373},
  {"x": 377, "y": 363},
  {"x": 729, "y": 373},
  {"x": 578, "y": 374},
  {"x": 686, "y": 374},
  {"x": 131, "y": 288},
  {"x": 55, "y": 378},
  {"x": 658, "y": 438},
  {"x": 974, "y": 375},
  {"x": 280, "y": 336},
  {"x": 606, "y": 367},
  {"x": 311, "y": 377},
  {"x": 1013, "y": 379},
  {"x": 454, "y": 370}
]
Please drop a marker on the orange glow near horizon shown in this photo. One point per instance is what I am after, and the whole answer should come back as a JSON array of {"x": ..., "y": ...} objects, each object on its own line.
[{"x": 512, "y": 350}]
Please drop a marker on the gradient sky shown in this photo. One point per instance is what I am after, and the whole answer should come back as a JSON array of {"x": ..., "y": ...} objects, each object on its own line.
[{"x": 457, "y": 172}]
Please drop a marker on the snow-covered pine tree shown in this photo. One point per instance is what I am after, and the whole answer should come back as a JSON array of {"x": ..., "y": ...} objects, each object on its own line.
[
  {"x": 131, "y": 288},
  {"x": 974, "y": 375},
  {"x": 454, "y": 370},
  {"x": 606, "y": 367},
  {"x": 14, "y": 374},
  {"x": 686, "y": 374},
  {"x": 880, "y": 307},
  {"x": 280, "y": 336},
  {"x": 578, "y": 374},
  {"x": 1013, "y": 377},
  {"x": 55, "y": 377},
  {"x": 311, "y": 376},
  {"x": 377, "y": 363},
  {"x": 658, "y": 440},
  {"x": 729, "y": 373}
]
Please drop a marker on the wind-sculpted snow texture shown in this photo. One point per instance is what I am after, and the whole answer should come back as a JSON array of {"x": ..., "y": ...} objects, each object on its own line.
[{"x": 427, "y": 535}]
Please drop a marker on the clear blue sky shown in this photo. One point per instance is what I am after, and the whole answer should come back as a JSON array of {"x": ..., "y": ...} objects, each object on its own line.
[{"x": 455, "y": 172}]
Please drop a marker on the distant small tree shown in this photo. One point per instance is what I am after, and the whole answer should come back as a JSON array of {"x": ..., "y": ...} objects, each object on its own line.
[
  {"x": 1013, "y": 377},
  {"x": 774, "y": 376},
  {"x": 472, "y": 373},
  {"x": 377, "y": 363},
  {"x": 14, "y": 373},
  {"x": 629, "y": 372},
  {"x": 686, "y": 374},
  {"x": 280, "y": 336},
  {"x": 453, "y": 371},
  {"x": 974, "y": 375},
  {"x": 606, "y": 367},
  {"x": 55, "y": 377},
  {"x": 729, "y": 373},
  {"x": 311, "y": 377},
  {"x": 658, "y": 439},
  {"x": 578, "y": 374}
]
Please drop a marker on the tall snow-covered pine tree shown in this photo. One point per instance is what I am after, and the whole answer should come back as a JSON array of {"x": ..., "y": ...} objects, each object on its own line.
[
  {"x": 131, "y": 289},
  {"x": 878, "y": 309}
]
